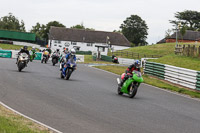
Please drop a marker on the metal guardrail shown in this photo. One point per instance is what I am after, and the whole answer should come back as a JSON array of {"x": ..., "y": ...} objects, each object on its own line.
[{"x": 180, "y": 76}]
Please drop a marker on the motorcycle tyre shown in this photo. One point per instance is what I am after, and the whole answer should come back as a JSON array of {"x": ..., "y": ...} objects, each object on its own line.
[
  {"x": 68, "y": 74},
  {"x": 61, "y": 76},
  {"x": 133, "y": 93},
  {"x": 119, "y": 90}
]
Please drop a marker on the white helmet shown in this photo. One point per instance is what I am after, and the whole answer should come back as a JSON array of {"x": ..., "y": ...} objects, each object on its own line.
[
  {"x": 33, "y": 48},
  {"x": 73, "y": 51}
]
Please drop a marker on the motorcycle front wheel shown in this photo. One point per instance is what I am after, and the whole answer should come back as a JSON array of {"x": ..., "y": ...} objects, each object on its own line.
[{"x": 132, "y": 90}]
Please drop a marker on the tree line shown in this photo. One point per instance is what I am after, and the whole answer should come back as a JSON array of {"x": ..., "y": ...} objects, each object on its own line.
[{"x": 134, "y": 28}]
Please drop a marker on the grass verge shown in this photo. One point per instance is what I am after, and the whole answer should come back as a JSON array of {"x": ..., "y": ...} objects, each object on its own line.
[
  {"x": 179, "y": 61},
  {"x": 11, "y": 122},
  {"x": 153, "y": 81},
  {"x": 12, "y": 47}
]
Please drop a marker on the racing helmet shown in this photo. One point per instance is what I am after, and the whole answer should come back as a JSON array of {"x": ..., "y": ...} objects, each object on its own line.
[
  {"x": 73, "y": 51},
  {"x": 137, "y": 64},
  {"x": 25, "y": 47}
]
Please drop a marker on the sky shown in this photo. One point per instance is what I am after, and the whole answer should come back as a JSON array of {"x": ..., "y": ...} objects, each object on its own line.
[{"x": 102, "y": 15}]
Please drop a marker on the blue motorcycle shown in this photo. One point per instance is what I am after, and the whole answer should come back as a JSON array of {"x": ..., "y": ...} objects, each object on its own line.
[{"x": 67, "y": 69}]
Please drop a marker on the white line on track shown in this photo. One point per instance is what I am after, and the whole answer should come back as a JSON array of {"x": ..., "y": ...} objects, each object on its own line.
[
  {"x": 172, "y": 92},
  {"x": 53, "y": 129}
]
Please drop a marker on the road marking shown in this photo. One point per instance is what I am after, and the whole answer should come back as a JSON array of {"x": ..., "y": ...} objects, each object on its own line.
[
  {"x": 172, "y": 92},
  {"x": 53, "y": 129}
]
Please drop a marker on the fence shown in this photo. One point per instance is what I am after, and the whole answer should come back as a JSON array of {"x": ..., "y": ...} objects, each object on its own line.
[
  {"x": 187, "y": 50},
  {"x": 133, "y": 55},
  {"x": 181, "y": 76}
]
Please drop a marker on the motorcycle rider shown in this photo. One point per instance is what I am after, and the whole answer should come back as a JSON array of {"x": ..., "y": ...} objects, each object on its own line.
[
  {"x": 135, "y": 66},
  {"x": 70, "y": 55},
  {"x": 23, "y": 50},
  {"x": 33, "y": 50},
  {"x": 56, "y": 52}
]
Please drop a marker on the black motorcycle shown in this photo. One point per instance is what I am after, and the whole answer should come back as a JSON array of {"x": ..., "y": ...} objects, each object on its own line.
[
  {"x": 55, "y": 58},
  {"x": 115, "y": 59}
]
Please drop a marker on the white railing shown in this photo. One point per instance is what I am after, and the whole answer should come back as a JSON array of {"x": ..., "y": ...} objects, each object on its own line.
[{"x": 181, "y": 76}]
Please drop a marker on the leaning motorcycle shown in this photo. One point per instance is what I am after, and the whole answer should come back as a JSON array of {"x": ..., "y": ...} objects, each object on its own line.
[
  {"x": 67, "y": 69},
  {"x": 130, "y": 86},
  {"x": 55, "y": 58},
  {"x": 32, "y": 55},
  {"x": 22, "y": 61}
]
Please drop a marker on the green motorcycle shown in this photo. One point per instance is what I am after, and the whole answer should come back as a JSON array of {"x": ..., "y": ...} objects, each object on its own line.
[
  {"x": 32, "y": 55},
  {"x": 130, "y": 86}
]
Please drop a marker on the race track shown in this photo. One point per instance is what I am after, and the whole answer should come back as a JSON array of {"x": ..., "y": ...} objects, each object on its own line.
[{"x": 88, "y": 102}]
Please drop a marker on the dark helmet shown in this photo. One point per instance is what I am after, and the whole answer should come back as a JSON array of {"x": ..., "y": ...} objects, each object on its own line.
[
  {"x": 25, "y": 47},
  {"x": 137, "y": 64}
]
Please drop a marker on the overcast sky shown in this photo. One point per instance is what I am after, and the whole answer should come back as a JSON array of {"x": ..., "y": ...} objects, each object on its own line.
[{"x": 102, "y": 15}]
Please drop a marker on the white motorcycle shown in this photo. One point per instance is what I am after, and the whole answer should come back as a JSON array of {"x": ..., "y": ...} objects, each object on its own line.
[{"x": 22, "y": 61}]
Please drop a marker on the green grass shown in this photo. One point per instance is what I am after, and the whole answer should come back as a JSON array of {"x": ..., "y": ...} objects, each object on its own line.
[
  {"x": 156, "y": 49},
  {"x": 13, "y": 123},
  {"x": 179, "y": 61},
  {"x": 153, "y": 81},
  {"x": 12, "y": 47},
  {"x": 147, "y": 51}
]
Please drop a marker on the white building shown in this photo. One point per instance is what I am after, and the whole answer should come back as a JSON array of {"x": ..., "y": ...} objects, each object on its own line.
[{"x": 86, "y": 40}]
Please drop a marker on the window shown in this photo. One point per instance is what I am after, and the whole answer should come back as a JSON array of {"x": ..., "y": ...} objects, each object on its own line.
[
  {"x": 55, "y": 41},
  {"x": 59, "y": 42},
  {"x": 73, "y": 43},
  {"x": 55, "y": 44},
  {"x": 59, "y": 46},
  {"x": 89, "y": 44},
  {"x": 67, "y": 44}
]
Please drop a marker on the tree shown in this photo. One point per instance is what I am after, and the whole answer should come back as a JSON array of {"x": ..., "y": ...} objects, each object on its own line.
[
  {"x": 78, "y": 26},
  {"x": 52, "y": 23},
  {"x": 81, "y": 26},
  {"x": 168, "y": 33},
  {"x": 135, "y": 30},
  {"x": 183, "y": 31},
  {"x": 10, "y": 22},
  {"x": 191, "y": 19},
  {"x": 38, "y": 29},
  {"x": 42, "y": 31}
]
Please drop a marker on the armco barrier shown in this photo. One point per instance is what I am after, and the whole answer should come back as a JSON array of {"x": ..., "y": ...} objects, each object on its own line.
[
  {"x": 106, "y": 58},
  {"x": 5, "y": 53},
  {"x": 126, "y": 61},
  {"x": 181, "y": 76},
  {"x": 80, "y": 58},
  {"x": 198, "y": 81},
  {"x": 38, "y": 56},
  {"x": 155, "y": 69},
  {"x": 84, "y": 52}
]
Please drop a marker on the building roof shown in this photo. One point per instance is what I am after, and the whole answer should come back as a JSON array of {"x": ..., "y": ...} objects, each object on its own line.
[
  {"x": 87, "y": 36},
  {"x": 189, "y": 35}
]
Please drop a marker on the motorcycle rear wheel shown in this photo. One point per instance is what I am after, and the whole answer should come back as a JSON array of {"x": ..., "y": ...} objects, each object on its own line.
[
  {"x": 61, "y": 76},
  {"x": 119, "y": 90}
]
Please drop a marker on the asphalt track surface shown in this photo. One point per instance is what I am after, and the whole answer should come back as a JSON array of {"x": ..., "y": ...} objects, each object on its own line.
[{"x": 88, "y": 102}]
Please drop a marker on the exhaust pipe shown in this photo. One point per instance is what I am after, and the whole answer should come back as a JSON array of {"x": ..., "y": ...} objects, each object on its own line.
[{"x": 118, "y": 80}]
